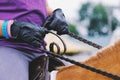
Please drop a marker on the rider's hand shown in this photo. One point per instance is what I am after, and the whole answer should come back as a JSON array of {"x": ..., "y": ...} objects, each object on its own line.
[
  {"x": 30, "y": 33},
  {"x": 56, "y": 21}
]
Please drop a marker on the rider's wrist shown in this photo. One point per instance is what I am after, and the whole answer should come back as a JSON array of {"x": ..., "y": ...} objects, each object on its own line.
[
  {"x": 4, "y": 29},
  {"x": 9, "y": 28}
]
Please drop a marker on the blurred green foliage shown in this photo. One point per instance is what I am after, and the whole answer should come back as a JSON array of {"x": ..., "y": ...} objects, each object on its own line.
[
  {"x": 98, "y": 19},
  {"x": 73, "y": 29},
  {"x": 115, "y": 22},
  {"x": 84, "y": 11}
]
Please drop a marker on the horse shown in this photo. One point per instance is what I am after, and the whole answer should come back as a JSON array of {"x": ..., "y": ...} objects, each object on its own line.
[{"x": 106, "y": 59}]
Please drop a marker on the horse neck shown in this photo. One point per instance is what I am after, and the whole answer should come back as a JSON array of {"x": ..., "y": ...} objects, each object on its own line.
[
  {"x": 106, "y": 58},
  {"x": 108, "y": 55}
]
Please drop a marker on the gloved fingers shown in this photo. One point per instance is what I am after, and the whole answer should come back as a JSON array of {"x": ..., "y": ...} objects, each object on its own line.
[
  {"x": 59, "y": 15},
  {"x": 56, "y": 21},
  {"x": 48, "y": 20},
  {"x": 60, "y": 26},
  {"x": 57, "y": 11},
  {"x": 52, "y": 19},
  {"x": 63, "y": 30},
  {"x": 39, "y": 35},
  {"x": 36, "y": 42},
  {"x": 43, "y": 30},
  {"x": 54, "y": 24}
]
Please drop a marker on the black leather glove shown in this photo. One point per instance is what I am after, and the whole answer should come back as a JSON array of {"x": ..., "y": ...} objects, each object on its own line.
[
  {"x": 29, "y": 33},
  {"x": 56, "y": 21}
]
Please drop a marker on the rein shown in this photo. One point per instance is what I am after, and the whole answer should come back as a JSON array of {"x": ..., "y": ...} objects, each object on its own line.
[
  {"x": 85, "y": 40},
  {"x": 104, "y": 73}
]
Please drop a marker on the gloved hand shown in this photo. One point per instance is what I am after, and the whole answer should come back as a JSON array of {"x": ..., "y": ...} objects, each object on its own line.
[
  {"x": 30, "y": 33},
  {"x": 56, "y": 21}
]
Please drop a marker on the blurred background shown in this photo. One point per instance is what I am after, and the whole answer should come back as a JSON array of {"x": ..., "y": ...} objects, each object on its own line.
[{"x": 94, "y": 20}]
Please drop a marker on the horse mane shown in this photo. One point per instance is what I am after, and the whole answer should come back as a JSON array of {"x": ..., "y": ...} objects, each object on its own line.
[{"x": 110, "y": 53}]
